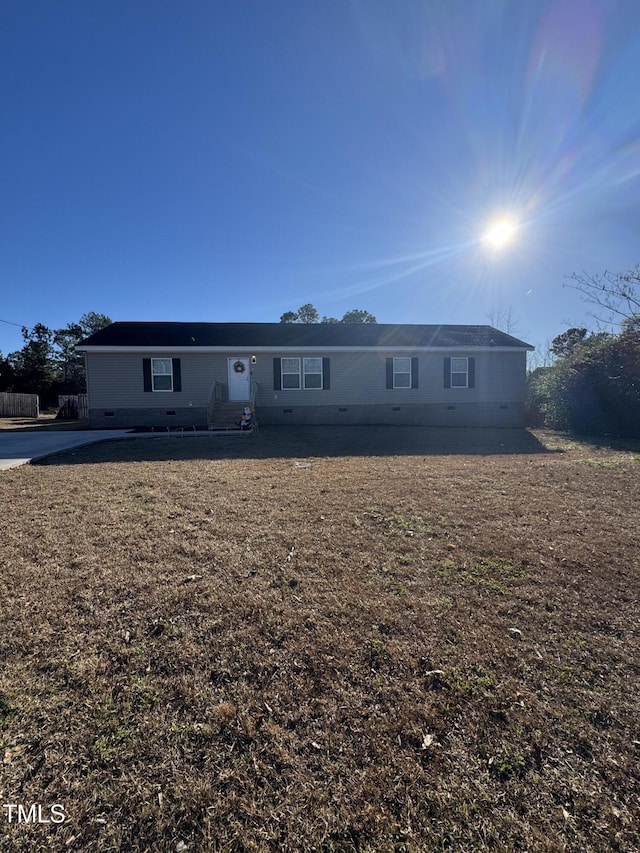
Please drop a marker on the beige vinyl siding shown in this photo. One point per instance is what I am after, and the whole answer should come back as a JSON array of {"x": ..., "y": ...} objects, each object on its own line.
[
  {"x": 115, "y": 380},
  {"x": 360, "y": 379}
]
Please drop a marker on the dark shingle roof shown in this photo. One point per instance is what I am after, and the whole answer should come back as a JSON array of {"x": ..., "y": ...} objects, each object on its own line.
[{"x": 319, "y": 335}]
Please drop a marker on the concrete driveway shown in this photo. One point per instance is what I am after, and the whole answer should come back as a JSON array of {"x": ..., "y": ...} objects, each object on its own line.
[{"x": 20, "y": 447}]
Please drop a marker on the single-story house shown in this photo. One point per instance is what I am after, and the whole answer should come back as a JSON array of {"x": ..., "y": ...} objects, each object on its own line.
[{"x": 198, "y": 374}]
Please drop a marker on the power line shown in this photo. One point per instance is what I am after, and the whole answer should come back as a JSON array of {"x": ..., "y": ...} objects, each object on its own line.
[{"x": 19, "y": 325}]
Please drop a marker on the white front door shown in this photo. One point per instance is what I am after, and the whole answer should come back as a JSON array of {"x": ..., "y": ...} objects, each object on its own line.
[{"x": 239, "y": 379}]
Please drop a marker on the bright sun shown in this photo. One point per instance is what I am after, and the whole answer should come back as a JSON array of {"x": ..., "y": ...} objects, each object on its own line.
[{"x": 500, "y": 233}]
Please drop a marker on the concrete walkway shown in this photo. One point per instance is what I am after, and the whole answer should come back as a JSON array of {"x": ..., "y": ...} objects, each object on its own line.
[{"x": 20, "y": 447}]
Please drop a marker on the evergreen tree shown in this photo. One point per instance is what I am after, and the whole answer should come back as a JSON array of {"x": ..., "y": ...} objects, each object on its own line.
[
  {"x": 309, "y": 314},
  {"x": 48, "y": 364}
]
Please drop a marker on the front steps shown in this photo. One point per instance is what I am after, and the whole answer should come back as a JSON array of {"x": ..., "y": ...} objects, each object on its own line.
[{"x": 226, "y": 416}]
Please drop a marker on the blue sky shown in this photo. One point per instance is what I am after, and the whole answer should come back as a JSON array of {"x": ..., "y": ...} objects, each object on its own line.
[{"x": 231, "y": 160}]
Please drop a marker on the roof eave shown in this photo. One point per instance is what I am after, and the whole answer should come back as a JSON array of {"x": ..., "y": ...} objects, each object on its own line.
[{"x": 280, "y": 348}]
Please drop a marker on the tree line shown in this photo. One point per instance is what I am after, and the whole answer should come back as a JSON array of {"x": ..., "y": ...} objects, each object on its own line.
[
  {"x": 593, "y": 384},
  {"x": 48, "y": 364},
  {"x": 309, "y": 314}
]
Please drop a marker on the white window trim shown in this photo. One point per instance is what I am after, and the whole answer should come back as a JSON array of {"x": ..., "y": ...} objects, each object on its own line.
[
  {"x": 465, "y": 371},
  {"x": 288, "y": 373},
  {"x": 153, "y": 376},
  {"x": 401, "y": 373},
  {"x": 312, "y": 373}
]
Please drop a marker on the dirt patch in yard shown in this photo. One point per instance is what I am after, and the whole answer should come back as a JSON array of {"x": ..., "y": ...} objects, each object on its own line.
[{"x": 280, "y": 645}]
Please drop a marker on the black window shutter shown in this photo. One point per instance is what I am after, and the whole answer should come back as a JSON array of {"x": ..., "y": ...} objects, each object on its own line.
[
  {"x": 277, "y": 376},
  {"x": 177, "y": 374},
  {"x": 389, "y": 373},
  {"x": 146, "y": 372},
  {"x": 472, "y": 373},
  {"x": 414, "y": 372},
  {"x": 447, "y": 373},
  {"x": 326, "y": 374}
]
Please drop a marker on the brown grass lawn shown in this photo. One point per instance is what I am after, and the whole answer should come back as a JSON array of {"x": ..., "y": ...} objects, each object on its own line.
[{"x": 323, "y": 640}]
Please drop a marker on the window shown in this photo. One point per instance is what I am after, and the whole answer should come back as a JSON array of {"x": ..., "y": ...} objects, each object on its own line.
[
  {"x": 459, "y": 372},
  {"x": 312, "y": 372},
  {"x": 295, "y": 373},
  {"x": 402, "y": 373},
  {"x": 162, "y": 374},
  {"x": 290, "y": 372}
]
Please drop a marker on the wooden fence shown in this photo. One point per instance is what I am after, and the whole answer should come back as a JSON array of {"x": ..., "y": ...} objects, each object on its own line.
[
  {"x": 19, "y": 405},
  {"x": 73, "y": 406}
]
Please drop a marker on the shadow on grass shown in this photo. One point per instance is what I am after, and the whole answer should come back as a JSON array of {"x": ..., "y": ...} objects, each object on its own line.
[
  {"x": 308, "y": 441},
  {"x": 41, "y": 425}
]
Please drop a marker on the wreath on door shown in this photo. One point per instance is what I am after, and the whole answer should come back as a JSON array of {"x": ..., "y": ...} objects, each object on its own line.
[{"x": 239, "y": 366}]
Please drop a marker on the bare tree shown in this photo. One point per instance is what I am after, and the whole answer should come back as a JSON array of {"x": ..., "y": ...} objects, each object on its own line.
[
  {"x": 617, "y": 293},
  {"x": 506, "y": 321},
  {"x": 540, "y": 357}
]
